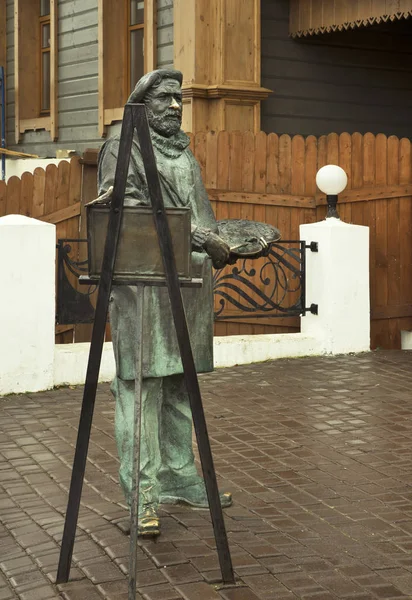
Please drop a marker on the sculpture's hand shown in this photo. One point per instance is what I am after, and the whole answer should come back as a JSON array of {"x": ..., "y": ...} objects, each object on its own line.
[
  {"x": 232, "y": 259},
  {"x": 217, "y": 249}
]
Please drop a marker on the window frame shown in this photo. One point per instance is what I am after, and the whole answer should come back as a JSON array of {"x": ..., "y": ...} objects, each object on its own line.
[
  {"x": 3, "y": 34},
  {"x": 110, "y": 110},
  {"x": 129, "y": 29},
  {"x": 28, "y": 117},
  {"x": 44, "y": 20}
]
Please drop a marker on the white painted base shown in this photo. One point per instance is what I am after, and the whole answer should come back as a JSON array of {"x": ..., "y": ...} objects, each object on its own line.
[
  {"x": 337, "y": 280},
  {"x": 233, "y": 350},
  {"x": 70, "y": 363},
  {"x": 27, "y": 304},
  {"x": 406, "y": 340},
  {"x": 70, "y": 360}
]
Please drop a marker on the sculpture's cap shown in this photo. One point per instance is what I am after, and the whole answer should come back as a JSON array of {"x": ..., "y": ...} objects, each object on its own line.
[{"x": 153, "y": 79}]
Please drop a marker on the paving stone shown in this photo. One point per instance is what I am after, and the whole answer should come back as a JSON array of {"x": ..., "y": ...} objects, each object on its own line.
[
  {"x": 181, "y": 574},
  {"x": 7, "y": 594},
  {"x": 240, "y": 593},
  {"x": 116, "y": 590},
  {"x": 32, "y": 577},
  {"x": 197, "y": 591},
  {"x": 160, "y": 592},
  {"x": 266, "y": 586},
  {"x": 100, "y": 571},
  {"x": 387, "y": 591},
  {"x": 213, "y": 577},
  {"x": 194, "y": 550},
  {"x": 322, "y": 596},
  {"x": 79, "y": 591},
  {"x": 210, "y": 562},
  {"x": 28, "y": 592}
]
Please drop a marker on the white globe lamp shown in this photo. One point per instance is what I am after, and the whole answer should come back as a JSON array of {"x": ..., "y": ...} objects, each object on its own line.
[{"x": 331, "y": 180}]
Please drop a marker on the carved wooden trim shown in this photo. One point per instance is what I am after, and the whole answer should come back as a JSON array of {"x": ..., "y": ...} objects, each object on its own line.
[
  {"x": 196, "y": 90},
  {"x": 35, "y": 124},
  {"x": 312, "y": 17},
  {"x": 113, "y": 115}
]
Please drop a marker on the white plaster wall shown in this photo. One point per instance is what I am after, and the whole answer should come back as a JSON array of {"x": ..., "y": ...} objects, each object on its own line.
[
  {"x": 27, "y": 304},
  {"x": 70, "y": 363},
  {"x": 338, "y": 281},
  {"x": 406, "y": 340},
  {"x": 16, "y": 167},
  {"x": 233, "y": 350}
]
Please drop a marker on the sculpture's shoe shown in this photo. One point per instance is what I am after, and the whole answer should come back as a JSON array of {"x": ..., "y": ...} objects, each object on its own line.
[
  {"x": 193, "y": 495},
  {"x": 148, "y": 523}
]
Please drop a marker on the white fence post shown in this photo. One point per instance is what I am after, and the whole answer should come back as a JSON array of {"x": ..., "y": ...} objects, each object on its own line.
[
  {"x": 27, "y": 304},
  {"x": 337, "y": 279}
]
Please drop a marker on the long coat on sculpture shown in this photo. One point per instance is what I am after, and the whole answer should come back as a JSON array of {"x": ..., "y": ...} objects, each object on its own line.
[{"x": 167, "y": 469}]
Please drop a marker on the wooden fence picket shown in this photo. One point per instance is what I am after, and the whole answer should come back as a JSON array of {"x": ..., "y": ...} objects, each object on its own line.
[
  {"x": 39, "y": 184},
  {"x": 26, "y": 195},
  {"x": 13, "y": 196}
]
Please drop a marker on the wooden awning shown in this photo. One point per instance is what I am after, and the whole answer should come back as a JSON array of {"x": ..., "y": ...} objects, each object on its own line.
[{"x": 310, "y": 17}]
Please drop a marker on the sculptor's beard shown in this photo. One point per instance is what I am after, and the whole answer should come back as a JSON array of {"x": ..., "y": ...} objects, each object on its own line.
[{"x": 167, "y": 124}]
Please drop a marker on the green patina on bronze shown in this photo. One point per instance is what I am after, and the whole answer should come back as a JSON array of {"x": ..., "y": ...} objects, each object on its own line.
[{"x": 167, "y": 468}]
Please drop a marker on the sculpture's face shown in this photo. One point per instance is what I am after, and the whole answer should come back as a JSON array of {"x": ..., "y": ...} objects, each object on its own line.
[{"x": 164, "y": 107}]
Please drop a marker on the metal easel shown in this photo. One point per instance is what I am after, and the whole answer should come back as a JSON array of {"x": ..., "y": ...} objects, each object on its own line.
[{"x": 135, "y": 118}]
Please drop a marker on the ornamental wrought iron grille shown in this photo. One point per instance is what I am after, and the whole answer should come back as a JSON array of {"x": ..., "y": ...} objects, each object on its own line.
[
  {"x": 272, "y": 286},
  {"x": 73, "y": 305}
]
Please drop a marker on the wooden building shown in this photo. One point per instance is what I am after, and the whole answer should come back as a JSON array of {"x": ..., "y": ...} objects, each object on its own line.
[
  {"x": 285, "y": 66},
  {"x": 307, "y": 82}
]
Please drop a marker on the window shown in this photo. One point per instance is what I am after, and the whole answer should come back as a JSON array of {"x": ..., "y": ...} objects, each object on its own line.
[
  {"x": 135, "y": 46},
  {"x": 35, "y": 49},
  {"x": 44, "y": 83},
  {"x": 123, "y": 59}
]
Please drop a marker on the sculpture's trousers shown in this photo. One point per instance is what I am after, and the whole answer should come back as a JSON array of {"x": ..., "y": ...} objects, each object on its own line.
[{"x": 166, "y": 453}]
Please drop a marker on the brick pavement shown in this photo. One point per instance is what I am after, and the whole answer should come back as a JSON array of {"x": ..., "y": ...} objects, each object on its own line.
[{"x": 316, "y": 451}]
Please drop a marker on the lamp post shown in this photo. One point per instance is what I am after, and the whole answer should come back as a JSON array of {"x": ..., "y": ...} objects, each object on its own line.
[{"x": 331, "y": 180}]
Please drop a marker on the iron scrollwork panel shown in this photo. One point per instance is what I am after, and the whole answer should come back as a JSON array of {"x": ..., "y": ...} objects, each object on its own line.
[
  {"x": 273, "y": 286},
  {"x": 73, "y": 306}
]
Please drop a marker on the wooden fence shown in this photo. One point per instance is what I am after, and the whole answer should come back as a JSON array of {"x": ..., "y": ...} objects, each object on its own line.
[
  {"x": 271, "y": 178},
  {"x": 263, "y": 178}
]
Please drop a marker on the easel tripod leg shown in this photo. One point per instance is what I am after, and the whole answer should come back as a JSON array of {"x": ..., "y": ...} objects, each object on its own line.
[
  {"x": 134, "y": 500},
  {"x": 96, "y": 347},
  {"x": 182, "y": 334},
  {"x": 83, "y": 437}
]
